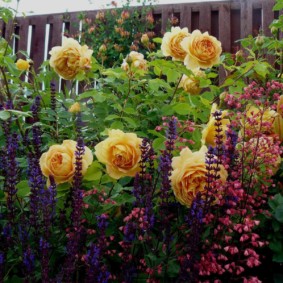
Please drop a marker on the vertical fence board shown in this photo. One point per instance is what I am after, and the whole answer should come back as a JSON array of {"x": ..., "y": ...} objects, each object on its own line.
[
  {"x": 257, "y": 21},
  {"x": 166, "y": 11},
  {"x": 185, "y": 16},
  {"x": 2, "y": 28},
  {"x": 74, "y": 25},
  {"x": 195, "y": 20},
  {"x": 9, "y": 31},
  {"x": 225, "y": 26},
  {"x": 267, "y": 17},
  {"x": 55, "y": 35},
  {"x": 215, "y": 23},
  {"x": 246, "y": 18},
  {"x": 38, "y": 40},
  {"x": 23, "y": 34},
  {"x": 205, "y": 16}
]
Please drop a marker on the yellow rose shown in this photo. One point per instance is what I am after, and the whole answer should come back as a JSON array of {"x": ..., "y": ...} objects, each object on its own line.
[
  {"x": 278, "y": 121},
  {"x": 171, "y": 43},
  {"x": 189, "y": 175},
  {"x": 59, "y": 161},
  {"x": 133, "y": 56},
  {"x": 203, "y": 50},
  {"x": 209, "y": 132},
  {"x": 191, "y": 84},
  {"x": 121, "y": 153},
  {"x": 70, "y": 58},
  {"x": 259, "y": 121},
  {"x": 260, "y": 147},
  {"x": 75, "y": 108},
  {"x": 22, "y": 65}
]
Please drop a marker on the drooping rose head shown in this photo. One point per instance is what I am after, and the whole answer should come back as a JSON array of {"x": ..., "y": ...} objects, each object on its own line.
[
  {"x": 70, "y": 58},
  {"x": 202, "y": 50},
  {"x": 171, "y": 43},
  {"x": 191, "y": 84},
  {"x": 189, "y": 175},
  {"x": 210, "y": 131},
  {"x": 258, "y": 120},
  {"x": 267, "y": 152},
  {"x": 22, "y": 65},
  {"x": 59, "y": 161},
  {"x": 278, "y": 120},
  {"x": 121, "y": 154}
]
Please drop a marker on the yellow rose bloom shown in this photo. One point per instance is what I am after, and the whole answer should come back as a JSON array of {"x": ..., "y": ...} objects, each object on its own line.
[
  {"x": 59, "y": 161},
  {"x": 261, "y": 148},
  {"x": 22, "y": 65},
  {"x": 70, "y": 58},
  {"x": 189, "y": 175},
  {"x": 171, "y": 43},
  {"x": 134, "y": 55},
  {"x": 121, "y": 153},
  {"x": 258, "y": 118},
  {"x": 209, "y": 132},
  {"x": 191, "y": 83},
  {"x": 278, "y": 120},
  {"x": 75, "y": 108},
  {"x": 202, "y": 50}
]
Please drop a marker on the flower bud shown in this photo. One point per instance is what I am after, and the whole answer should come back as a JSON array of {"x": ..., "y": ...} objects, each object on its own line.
[
  {"x": 125, "y": 66},
  {"x": 75, "y": 108},
  {"x": 274, "y": 30},
  {"x": 259, "y": 40},
  {"x": 144, "y": 39},
  {"x": 22, "y": 65},
  {"x": 239, "y": 55},
  {"x": 102, "y": 48}
]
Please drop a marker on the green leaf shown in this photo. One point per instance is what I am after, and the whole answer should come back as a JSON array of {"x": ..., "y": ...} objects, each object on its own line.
[
  {"x": 157, "y": 40},
  {"x": 93, "y": 172},
  {"x": 182, "y": 108},
  {"x": 130, "y": 121},
  {"x": 111, "y": 117},
  {"x": 279, "y": 213},
  {"x": 158, "y": 143},
  {"x": 261, "y": 69},
  {"x": 20, "y": 113},
  {"x": 278, "y": 6},
  {"x": 4, "y": 115},
  {"x": 117, "y": 125},
  {"x": 63, "y": 187},
  {"x": 23, "y": 189}
]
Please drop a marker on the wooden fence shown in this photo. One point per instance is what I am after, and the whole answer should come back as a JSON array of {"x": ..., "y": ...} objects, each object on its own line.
[{"x": 226, "y": 20}]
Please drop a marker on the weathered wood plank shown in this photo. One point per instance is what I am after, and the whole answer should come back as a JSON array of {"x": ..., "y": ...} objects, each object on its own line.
[
  {"x": 225, "y": 26},
  {"x": 185, "y": 20},
  {"x": 205, "y": 16},
  {"x": 246, "y": 18},
  {"x": 267, "y": 17},
  {"x": 38, "y": 40},
  {"x": 23, "y": 34}
]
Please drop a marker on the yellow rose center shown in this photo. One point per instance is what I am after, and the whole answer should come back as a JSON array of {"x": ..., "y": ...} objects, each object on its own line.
[
  {"x": 61, "y": 163},
  {"x": 205, "y": 49},
  {"x": 122, "y": 156}
]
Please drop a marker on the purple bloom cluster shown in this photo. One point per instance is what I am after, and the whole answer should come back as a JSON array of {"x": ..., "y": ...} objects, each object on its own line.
[{"x": 96, "y": 269}]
